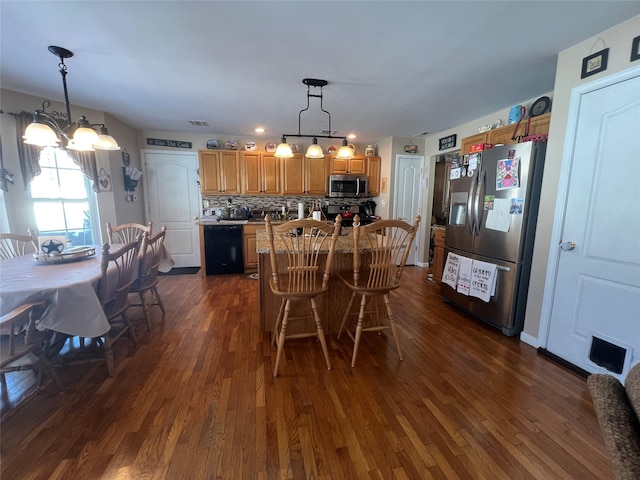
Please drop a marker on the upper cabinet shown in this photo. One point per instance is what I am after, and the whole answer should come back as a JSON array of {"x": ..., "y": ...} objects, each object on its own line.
[
  {"x": 537, "y": 126},
  {"x": 373, "y": 172},
  {"x": 304, "y": 176},
  {"x": 261, "y": 174},
  {"x": 355, "y": 165},
  {"x": 219, "y": 172}
]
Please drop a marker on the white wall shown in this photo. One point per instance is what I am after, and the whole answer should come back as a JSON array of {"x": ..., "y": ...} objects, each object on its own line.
[{"x": 618, "y": 39}]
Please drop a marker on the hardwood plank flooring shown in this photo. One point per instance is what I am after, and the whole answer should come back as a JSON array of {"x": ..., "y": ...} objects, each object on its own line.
[{"x": 197, "y": 400}]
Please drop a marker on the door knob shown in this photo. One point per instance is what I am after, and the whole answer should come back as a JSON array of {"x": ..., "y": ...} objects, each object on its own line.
[
  {"x": 567, "y": 246},
  {"x": 196, "y": 217}
]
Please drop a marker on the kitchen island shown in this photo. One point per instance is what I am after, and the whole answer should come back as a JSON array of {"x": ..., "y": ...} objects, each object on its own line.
[{"x": 331, "y": 305}]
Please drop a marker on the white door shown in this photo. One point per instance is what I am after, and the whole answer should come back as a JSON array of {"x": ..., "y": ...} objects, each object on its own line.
[
  {"x": 595, "y": 315},
  {"x": 174, "y": 200},
  {"x": 407, "y": 198}
]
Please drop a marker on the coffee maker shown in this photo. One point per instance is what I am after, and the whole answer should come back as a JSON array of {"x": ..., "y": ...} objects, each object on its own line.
[{"x": 368, "y": 208}]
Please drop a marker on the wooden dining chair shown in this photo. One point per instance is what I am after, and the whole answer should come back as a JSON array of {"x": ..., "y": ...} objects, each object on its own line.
[
  {"x": 119, "y": 271},
  {"x": 22, "y": 349},
  {"x": 298, "y": 274},
  {"x": 127, "y": 232},
  {"x": 147, "y": 281},
  {"x": 380, "y": 251},
  {"x": 15, "y": 245}
]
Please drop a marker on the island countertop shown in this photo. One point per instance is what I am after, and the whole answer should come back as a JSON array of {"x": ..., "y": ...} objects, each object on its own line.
[{"x": 343, "y": 245}]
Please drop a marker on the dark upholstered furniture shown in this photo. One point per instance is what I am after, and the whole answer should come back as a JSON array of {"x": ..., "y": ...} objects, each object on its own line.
[{"x": 618, "y": 409}]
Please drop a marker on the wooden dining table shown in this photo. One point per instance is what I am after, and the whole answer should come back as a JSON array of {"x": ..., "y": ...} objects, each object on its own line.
[{"x": 70, "y": 289}]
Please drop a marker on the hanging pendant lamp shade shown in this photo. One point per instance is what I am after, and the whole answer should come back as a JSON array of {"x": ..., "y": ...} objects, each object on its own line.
[
  {"x": 284, "y": 149},
  {"x": 315, "y": 150},
  {"x": 344, "y": 152},
  {"x": 41, "y": 135},
  {"x": 106, "y": 142}
]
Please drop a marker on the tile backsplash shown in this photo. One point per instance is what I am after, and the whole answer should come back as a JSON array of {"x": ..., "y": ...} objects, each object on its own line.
[{"x": 270, "y": 203}]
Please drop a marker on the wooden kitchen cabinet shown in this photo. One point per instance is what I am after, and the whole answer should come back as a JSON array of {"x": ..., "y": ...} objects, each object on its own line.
[
  {"x": 538, "y": 126},
  {"x": 438, "y": 254},
  {"x": 356, "y": 165},
  {"x": 260, "y": 174},
  {"x": 219, "y": 172},
  {"x": 304, "y": 176},
  {"x": 249, "y": 246},
  {"x": 465, "y": 143},
  {"x": 373, "y": 172}
]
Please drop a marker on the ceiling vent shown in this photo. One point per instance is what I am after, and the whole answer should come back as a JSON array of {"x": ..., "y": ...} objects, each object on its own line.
[
  {"x": 199, "y": 123},
  {"x": 328, "y": 132},
  {"x": 421, "y": 134}
]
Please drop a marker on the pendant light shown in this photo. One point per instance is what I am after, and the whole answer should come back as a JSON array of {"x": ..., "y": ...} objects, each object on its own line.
[
  {"x": 345, "y": 151},
  {"x": 81, "y": 135},
  {"x": 314, "y": 151}
]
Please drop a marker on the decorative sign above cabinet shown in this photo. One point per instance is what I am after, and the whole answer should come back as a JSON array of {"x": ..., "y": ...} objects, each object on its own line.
[
  {"x": 448, "y": 142},
  {"x": 168, "y": 143}
]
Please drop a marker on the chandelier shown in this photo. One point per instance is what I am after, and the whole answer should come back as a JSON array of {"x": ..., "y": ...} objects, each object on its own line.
[
  {"x": 80, "y": 135},
  {"x": 314, "y": 151}
]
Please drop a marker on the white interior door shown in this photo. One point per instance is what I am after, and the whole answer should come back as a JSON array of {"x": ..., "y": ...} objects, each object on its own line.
[
  {"x": 171, "y": 180},
  {"x": 407, "y": 197},
  {"x": 595, "y": 315}
]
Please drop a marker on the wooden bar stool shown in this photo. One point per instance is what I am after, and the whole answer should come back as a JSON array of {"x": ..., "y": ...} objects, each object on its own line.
[
  {"x": 301, "y": 277},
  {"x": 388, "y": 242}
]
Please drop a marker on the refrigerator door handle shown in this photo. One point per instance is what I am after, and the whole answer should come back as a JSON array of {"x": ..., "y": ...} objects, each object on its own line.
[
  {"x": 470, "y": 206},
  {"x": 478, "y": 212}
]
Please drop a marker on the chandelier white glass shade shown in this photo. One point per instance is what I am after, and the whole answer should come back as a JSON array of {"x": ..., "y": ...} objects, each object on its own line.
[
  {"x": 345, "y": 151},
  {"x": 314, "y": 151},
  {"x": 81, "y": 135},
  {"x": 283, "y": 150}
]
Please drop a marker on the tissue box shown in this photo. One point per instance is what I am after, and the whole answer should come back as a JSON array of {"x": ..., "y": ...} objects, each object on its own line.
[{"x": 479, "y": 147}]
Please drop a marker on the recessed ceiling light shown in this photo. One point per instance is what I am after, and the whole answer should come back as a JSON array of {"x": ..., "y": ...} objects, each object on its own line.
[
  {"x": 259, "y": 130},
  {"x": 351, "y": 136}
]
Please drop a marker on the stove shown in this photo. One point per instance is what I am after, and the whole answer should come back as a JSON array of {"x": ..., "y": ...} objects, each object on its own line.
[{"x": 332, "y": 211}]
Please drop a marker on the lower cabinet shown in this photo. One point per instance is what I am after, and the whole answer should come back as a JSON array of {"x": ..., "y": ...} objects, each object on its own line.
[
  {"x": 249, "y": 247},
  {"x": 438, "y": 255}
]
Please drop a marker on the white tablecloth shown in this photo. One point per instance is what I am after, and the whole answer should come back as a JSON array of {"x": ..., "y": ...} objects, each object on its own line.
[{"x": 70, "y": 288}]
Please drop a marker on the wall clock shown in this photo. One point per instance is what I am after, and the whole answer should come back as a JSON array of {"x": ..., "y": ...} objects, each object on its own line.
[{"x": 540, "y": 106}]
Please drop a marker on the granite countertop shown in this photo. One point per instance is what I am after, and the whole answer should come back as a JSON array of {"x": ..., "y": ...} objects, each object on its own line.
[{"x": 344, "y": 244}]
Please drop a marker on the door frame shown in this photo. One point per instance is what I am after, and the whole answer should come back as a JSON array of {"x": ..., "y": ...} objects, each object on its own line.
[{"x": 563, "y": 191}]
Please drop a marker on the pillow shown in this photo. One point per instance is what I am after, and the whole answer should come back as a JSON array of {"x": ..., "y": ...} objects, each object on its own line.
[{"x": 618, "y": 423}]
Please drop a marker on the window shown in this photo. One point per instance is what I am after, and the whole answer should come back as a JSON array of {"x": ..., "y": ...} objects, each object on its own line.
[{"x": 63, "y": 201}]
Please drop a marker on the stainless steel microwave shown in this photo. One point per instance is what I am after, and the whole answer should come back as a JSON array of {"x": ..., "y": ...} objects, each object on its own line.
[{"x": 348, "y": 186}]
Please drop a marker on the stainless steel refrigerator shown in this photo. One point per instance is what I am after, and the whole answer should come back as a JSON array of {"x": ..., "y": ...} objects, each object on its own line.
[{"x": 493, "y": 210}]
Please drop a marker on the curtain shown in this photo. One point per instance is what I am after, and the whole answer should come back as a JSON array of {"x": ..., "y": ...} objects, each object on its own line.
[
  {"x": 3, "y": 178},
  {"x": 29, "y": 155},
  {"x": 87, "y": 163}
]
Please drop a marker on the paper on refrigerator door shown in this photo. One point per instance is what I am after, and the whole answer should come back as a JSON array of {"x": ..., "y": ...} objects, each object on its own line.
[
  {"x": 464, "y": 275},
  {"x": 499, "y": 218}
]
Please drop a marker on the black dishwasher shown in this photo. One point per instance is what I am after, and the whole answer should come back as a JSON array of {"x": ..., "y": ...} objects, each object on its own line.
[{"x": 223, "y": 249}]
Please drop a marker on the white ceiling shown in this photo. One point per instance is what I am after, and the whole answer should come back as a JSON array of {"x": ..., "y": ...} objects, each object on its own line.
[{"x": 394, "y": 68}]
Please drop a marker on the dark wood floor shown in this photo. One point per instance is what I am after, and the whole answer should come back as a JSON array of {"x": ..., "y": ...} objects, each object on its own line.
[{"x": 196, "y": 400}]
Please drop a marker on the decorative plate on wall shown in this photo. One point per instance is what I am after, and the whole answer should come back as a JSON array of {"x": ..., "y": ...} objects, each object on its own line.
[
  {"x": 270, "y": 147},
  {"x": 231, "y": 145},
  {"x": 212, "y": 144}
]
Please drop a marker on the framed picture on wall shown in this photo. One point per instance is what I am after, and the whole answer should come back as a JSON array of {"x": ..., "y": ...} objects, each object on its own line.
[
  {"x": 635, "y": 49},
  {"x": 595, "y": 63}
]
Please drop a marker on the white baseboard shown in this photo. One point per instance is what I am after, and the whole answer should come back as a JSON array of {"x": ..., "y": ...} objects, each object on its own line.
[
  {"x": 422, "y": 264},
  {"x": 529, "y": 339}
]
